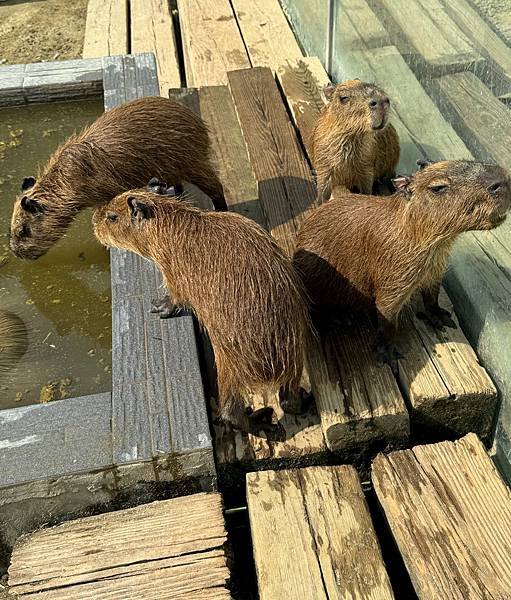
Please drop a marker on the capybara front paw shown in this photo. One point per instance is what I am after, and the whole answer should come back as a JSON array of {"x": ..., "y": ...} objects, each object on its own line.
[
  {"x": 165, "y": 307},
  {"x": 438, "y": 319},
  {"x": 294, "y": 404}
]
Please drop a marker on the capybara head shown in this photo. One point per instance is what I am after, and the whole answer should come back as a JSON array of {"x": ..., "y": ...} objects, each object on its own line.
[
  {"x": 38, "y": 223},
  {"x": 457, "y": 195},
  {"x": 361, "y": 106}
]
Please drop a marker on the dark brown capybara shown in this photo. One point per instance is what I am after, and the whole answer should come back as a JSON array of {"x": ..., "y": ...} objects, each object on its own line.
[
  {"x": 368, "y": 251},
  {"x": 239, "y": 283},
  {"x": 121, "y": 150},
  {"x": 353, "y": 144}
]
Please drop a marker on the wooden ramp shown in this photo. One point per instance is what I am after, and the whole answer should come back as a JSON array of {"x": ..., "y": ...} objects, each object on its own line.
[
  {"x": 313, "y": 537},
  {"x": 450, "y": 514},
  {"x": 170, "y": 549}
]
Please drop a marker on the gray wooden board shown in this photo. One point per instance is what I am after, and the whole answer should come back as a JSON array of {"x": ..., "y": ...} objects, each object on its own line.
[
  {"x": 47, "y": 440},
  {"x": 157, "y": 397}
]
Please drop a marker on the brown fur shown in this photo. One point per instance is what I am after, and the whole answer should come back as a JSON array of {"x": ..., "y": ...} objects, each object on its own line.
[
  {"x": 361, "y": 251},
  {"x": 13, "y": 340},
  {"x": 242, "y": 288},
  {"x": 353, "y": 145},
  {"x": 121, "y": 150}
]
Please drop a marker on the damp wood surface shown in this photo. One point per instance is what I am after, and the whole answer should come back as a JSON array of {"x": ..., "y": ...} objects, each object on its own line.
[
  {"x": 313, "y": 536},
  {"x": 152, "y": 30},
  {"x": 450, "y": 513},
  {"x": 106, "y": 28},
  {"x": 212, "y": 43},
  {"x": 167, "y": 549}
]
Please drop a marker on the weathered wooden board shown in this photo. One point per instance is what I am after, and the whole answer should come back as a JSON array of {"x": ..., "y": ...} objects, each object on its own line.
[
  {"x": 441, "y": 47},
  {"x": 106, "y": 28},
  {"x": 212, "y": 43},
  {"x": 449, "y": 392},
  {"x": 450, "y": 514},
  {"x": 157, "y": 397},
  {"x": 169, "y": 549},
  {"x": 268, "y": 36},
  {"x": 152, "y": 30},
  {"x": 486, "y": 41},
  {"x": 313, "y": 537},
  {"x": 357, "y": 28}
]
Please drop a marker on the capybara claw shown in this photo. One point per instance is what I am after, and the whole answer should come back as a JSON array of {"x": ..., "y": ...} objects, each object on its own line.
[{"x": 439, "y": 319}]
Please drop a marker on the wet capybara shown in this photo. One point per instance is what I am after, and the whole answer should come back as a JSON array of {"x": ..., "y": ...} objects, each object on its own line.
[
  {"x": 353, "y": 144},
  {"x": 239, "y": 283},
  {"x": 368, "y": 251},
  {"x": 121, "y": 150},
  {"x": 13, "y": 340}
]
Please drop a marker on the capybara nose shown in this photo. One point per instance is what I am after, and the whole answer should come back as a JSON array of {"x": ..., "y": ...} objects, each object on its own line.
[{"x": 373, "y": 103}]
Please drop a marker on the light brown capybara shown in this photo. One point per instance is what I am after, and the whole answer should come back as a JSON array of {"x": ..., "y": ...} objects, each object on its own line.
[
  {"x": 240, "y": 285},
  {"x": 121, "y": 150},
  {"x": 367, "y": 251},
  {"x": 13, "y": 340},
  {"x": 353, "y": 144}
]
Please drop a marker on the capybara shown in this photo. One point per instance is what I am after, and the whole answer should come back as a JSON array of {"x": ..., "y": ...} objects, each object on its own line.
[
  {"x": 13, "y": 340},
  {"x": 362, "y": 251},
  {"x": 353, "y": 144},
  {"x": 240, "y": 285},
  {"x": 120, "y": 151}
]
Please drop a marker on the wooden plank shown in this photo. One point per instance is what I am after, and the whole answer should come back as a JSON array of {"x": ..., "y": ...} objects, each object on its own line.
[
  {"x": 357, "y": 27},
  {"x": 106, "y": 28},
  {"x": 450, "y": 514},
  {"x": 323, "y": 545},
  {"x": 152, "y": 30},
  {"x": 212, "y": 43},
  {"x": 441, "y": 46},
  {"x": 169, "y": 549},
  {"x": 449, "y": 392},
  {"x": 268, "y": 36}
]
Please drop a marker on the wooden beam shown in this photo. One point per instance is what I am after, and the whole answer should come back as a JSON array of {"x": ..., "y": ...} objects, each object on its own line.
[
  {"x": 450, "y": 514},
  {"x": 169, "y": 549},
  {"x": 212, "y": 43},
  {"x": 152, "y": 30},
  {"x": 269, "y": 39},
  {"x": 323, "y": 544},
  {"x": 106, "y": 28}
]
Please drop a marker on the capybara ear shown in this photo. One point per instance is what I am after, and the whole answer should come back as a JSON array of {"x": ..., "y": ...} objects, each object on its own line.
[
  {"x": 27, "y": 183},
  {"x": 328, "y": 90},
  {"x": 423, "y": 162},
  {"x": 31, "y": 206},
  {"x": 401, "y": 183},
  {"x": 140, "y": 211}
]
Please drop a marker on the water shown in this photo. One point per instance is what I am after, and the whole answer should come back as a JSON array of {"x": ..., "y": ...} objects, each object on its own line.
[{"x": 63, "y": 297}]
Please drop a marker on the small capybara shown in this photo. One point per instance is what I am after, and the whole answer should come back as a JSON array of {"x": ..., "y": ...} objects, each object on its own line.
[
  {"x": 151, "y": 136},
  {"x": 368, "y": 251},
  {"x": 353, "y": 145},
  {"x": 13, "y": 340},
  {"x": 239, "y": 283}
]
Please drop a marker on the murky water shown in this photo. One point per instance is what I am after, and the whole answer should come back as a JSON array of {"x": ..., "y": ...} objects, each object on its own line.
[{"x": 64, "y": 297}]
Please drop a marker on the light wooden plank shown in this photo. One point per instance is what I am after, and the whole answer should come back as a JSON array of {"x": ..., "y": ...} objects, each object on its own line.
[
  {"x": 212, "y": 43},
  {"x": 323, "y": 545},
  {"x": 450, "y": 514},
  {"x": 268, "y": 36},
  {"x": 441, "y": 46},
  {"x": 170, "y": 549},
  {"x": 357, "y": 27},
  {"x": 152, "y": 30},
  {"x": 106, "y": 28}
]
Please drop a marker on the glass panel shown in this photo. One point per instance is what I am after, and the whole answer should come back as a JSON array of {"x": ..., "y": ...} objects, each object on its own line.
[{"x": 63, "y": 298}]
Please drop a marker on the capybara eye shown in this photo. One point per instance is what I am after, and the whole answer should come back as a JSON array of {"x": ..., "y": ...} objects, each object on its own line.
[
  {"x": 112, "y": 217},
  {"x": 373, "y": 103},
  {"x": 495, "y": 187},
  {"x": 344, "y": 99},
  {"x": 438, "y": 189}
]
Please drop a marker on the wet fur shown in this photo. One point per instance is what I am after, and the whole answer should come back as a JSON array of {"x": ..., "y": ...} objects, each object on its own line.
[
  {"x": 242, "y": 288},
  {"x": 121, "y": 150},
  {"x": 13, "y": 340},
  {"x": 346, "y": 148}
]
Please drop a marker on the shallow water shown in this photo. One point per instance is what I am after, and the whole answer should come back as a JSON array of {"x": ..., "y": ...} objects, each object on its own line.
[{"x": 63, "y": 297}]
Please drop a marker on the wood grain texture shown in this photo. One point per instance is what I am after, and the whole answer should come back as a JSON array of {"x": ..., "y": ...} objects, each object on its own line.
[
  {"x": 357, "y": 27},
  {"x": 450, "y": 514},
  {"x": 212, "y": 43},
  {"x": 313, "y": 537},
  {"x": 152, "y": 30},
  {"x": 106, "y": 28},
  {"x": 267, "y": 35},
  {"x": 449, "y": 392},
  {"x": 170, "y": 549}
]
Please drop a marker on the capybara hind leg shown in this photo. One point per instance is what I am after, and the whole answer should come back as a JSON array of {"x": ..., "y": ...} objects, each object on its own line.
[
  {"x": 294, "y": 400},
  {"x": 242, "y": 417},
  {"x": 165, "y": 307},
  {"x": 435, "y": 315},
  {"x": 385, "y": 348}
]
